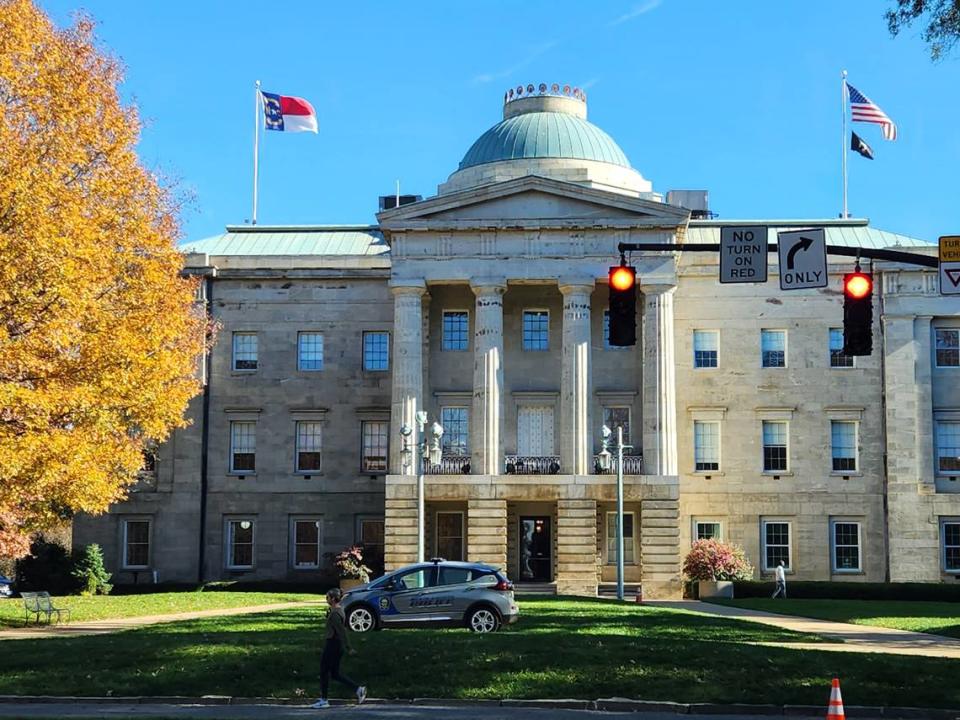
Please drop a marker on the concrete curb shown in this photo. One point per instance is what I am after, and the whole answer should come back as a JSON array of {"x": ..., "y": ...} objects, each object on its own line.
[{"x": 600, "y": 704}]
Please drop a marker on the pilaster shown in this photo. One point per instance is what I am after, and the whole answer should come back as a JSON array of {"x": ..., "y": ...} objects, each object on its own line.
[
  {"x": 486, "y": 437},
  {"x": 577, "y": 547},
  {"x": 660, "y": 549},
  {"x": 659, "y": 385},
  {"x": 487, "y": 532},
  {"x": 575, "y": 381}
]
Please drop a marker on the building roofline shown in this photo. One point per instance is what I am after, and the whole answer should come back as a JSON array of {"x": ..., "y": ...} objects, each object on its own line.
[
  {"x": 298, "y": 228},
  {"x": 790, "y": 222}
]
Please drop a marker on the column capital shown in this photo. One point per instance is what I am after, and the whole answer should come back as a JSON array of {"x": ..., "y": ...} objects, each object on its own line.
[
  {"x": 488, "y": 286},
  {"x": 575, "y": 285},
  {"x": 415, "y": 286},
  {"x": 655, "y": 288}
]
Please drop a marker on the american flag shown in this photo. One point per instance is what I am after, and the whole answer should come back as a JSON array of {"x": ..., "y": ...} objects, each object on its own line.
[{"x": 863, "y": 109}]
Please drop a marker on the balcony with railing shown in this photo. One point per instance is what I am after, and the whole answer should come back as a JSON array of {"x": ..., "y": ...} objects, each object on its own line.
[
  {"x": 450, "y": 464},
  {"x": 532, "y": 464},
  {"x": 632, "y": 465}
]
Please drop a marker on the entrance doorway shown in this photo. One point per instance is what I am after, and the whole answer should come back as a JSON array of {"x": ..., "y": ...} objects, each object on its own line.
[{"x": 536, "y": 562}]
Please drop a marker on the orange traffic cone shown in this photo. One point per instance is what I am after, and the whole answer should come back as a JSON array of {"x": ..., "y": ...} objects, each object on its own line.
[{"x": 835, "y": 709}]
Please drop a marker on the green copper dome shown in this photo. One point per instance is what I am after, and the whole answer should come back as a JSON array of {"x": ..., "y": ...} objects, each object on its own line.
[{"x": 544, "y": 135}]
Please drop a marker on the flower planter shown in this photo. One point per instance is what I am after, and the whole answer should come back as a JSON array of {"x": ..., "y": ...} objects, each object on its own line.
[
  {"x": 715, "y": 589},
  {"x": 350, "y": 583}
]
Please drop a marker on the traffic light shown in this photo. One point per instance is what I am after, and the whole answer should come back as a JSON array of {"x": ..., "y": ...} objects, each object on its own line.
[
  {"x": 623, "y": 305},
  {"x": 857, "y": 313}
]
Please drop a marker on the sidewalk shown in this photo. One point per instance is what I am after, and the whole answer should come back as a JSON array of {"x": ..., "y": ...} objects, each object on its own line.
[
  {"x": 102, "y": 627},
  {"x": 856, "y": 638}
]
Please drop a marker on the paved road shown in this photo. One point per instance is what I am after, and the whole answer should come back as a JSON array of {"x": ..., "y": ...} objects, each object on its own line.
[{"x": 293, "y": 712}]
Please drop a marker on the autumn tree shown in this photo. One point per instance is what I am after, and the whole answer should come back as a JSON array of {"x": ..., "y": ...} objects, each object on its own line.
[
  {"x": 941, "y": 18},
  {"x": 99, "y": 335}
]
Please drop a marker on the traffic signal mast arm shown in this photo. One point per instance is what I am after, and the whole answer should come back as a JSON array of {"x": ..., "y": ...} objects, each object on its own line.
[{"x": 892, "y": 255}]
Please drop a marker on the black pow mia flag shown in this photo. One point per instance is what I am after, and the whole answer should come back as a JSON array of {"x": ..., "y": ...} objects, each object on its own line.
[{"x": 859, "y": 145}]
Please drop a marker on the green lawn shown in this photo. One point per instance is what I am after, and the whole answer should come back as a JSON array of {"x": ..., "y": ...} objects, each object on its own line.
[
  {"x": 941, "y": 618},
  {"x": 121, "y": 606},
  {"x": 560, "y": 649}
]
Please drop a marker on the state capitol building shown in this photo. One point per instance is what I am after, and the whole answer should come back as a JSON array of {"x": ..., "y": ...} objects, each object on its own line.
[{"x": 485, "y": 306}]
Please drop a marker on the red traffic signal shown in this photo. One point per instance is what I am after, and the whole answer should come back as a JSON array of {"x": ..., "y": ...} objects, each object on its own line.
[
  {"x": 857, "y": 285},
  {"x": 623, "y": 306},
  {"x": 857, "y": 313}
]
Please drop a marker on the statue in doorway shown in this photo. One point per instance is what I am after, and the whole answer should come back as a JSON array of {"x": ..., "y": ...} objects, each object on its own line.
[{"x": 526, "y": 550}]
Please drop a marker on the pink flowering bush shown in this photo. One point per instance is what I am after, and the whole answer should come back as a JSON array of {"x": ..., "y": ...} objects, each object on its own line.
[
  {"x": 714, "y": 560},
  {"x": 350, "y": 564}
]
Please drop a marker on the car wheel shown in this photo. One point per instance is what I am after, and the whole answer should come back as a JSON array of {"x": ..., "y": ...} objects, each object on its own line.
[
  {"x": 361, "y": 619},
  {"x": 483, "y": 620}
]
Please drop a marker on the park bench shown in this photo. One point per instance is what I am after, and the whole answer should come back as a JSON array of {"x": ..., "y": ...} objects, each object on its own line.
[{"x": 40, "y": 603}]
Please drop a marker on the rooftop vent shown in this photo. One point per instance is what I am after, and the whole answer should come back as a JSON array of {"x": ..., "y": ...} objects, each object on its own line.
[{"x": 388, "y": 202}]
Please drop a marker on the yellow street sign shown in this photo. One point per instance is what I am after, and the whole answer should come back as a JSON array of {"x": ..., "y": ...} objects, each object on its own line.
[{"x": 950, "y": 248}]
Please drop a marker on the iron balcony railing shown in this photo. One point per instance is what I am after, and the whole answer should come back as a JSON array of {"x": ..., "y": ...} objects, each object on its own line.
[
  {"x": 449, "y": 465},
  {"x": 532, "y": 465},
  {"x": 632, "y": 465}
]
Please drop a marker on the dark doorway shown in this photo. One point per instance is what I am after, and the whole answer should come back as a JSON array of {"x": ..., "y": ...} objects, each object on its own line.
[{"x": 535, "y": 549}]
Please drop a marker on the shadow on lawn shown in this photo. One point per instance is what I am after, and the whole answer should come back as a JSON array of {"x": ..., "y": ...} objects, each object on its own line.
[{"x": 555, "y": 651}]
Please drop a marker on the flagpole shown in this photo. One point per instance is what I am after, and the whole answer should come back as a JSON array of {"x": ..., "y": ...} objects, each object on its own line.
[
  {"x": 843, "y": 137},
  {"x": 256, "y": 149}
]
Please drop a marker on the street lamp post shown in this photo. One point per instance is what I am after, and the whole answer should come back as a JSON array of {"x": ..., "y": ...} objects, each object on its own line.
[
  {"x": 605, "y": 460},
  {"x": 424, "y": 452}
]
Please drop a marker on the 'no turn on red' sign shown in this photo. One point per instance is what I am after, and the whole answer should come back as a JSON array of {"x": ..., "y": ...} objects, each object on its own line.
[
  {"x": 950, "y": 265},
  {"x": 743, "y": 254}
]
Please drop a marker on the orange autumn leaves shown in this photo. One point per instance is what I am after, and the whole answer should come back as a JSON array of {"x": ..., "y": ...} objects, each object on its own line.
[{"x": 99, "y": 333}]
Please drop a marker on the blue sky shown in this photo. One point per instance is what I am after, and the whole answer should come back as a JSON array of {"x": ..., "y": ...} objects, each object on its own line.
[{"x": 739, "y": 98}]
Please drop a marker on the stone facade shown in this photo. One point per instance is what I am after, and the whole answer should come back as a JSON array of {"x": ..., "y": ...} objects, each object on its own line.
[{"x": 484, "y": 308}]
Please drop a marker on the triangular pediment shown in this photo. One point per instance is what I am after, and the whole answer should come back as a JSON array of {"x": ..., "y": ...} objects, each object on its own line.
[{"x": 532, "y": 201}]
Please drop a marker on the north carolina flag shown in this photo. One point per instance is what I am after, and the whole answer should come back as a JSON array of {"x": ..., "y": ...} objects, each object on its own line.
[{"x": 288, "y": 114}]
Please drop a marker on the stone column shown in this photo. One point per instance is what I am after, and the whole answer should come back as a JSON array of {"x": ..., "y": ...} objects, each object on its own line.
[
  {"x": 486, "y": 421},
  {"x": 576, "y": 432},
  {"x": 487, "y": 532},
  {"x": 407, "y": 371},
  {"x": 577, "y": 547},
  {"x": 659, "y": 387},
  {"x": 660, "y": 549}
]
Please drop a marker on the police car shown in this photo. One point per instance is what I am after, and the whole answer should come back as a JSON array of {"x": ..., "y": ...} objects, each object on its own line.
[{"x": 437, "y": 594}]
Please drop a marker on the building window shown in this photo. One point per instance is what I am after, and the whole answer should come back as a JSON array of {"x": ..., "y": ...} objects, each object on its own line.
[
  {"x": 310, "y": 351},
  {"x": 776, "y": 544},
  {"x": 843, "y": 442},
  {"x": 773, "y": 348},
  {"x": 948, "y": 347},
  {"x": 706, "y": 445},
  {"x": 240, "y": 544},
  {"x": 948, "y": 447},
  {"x": 374, "y": 434},
  {"x": 837, "y": 358},
  {"x": 450, "y": 535},
  {"x": 706, "y": 344},
  {"x": 846, "y": 546},
  {"x": 370, "y": 538},
  {"x": 309, "y": 453},
  {"x": 606, "y": 334},
  {"x": 456, "y": 330},
  {"x": 376, "y": 351},
  {"x": 244, "y": 351},
  {"x": 618, "y": 416},
  {"x": 950, "y": 539},
  {"x": 536, "y": 330},
  {"x": 243, "y": 447},
  {"x": 136, "y": 544},
  {"x": 306, "y": 543},
  {"x": 456, "y": 430},
  {"x": 774, "y": 445},
  {"x": 708, "y": 530},
  {"x": 628, "y": 557}
]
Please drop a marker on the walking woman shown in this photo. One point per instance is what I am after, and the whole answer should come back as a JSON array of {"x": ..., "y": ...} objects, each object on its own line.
[{"x": 335, "y": 644}]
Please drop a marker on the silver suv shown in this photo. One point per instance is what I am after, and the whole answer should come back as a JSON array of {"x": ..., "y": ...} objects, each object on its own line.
[{"x": 437, "y": 593}]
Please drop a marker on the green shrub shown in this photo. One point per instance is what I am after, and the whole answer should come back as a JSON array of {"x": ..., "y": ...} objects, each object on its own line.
[
  {"x": 90, "y": 572},
  {"x": 46, "y": 568},
  {"x": 812, "y": 590}
]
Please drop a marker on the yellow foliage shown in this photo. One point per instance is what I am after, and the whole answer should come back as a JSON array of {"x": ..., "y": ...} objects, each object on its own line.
[{"x": 99, "y": 333}]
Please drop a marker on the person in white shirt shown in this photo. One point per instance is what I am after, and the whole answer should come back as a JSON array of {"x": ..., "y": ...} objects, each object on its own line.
[{"x": 781, "y": 576}]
